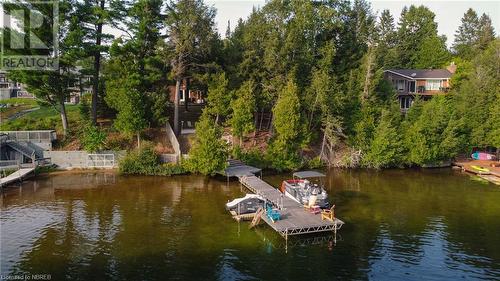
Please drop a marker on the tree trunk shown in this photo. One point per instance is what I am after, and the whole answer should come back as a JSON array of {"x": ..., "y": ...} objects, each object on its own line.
[
  {"x": 176, "y": 106},
  {"x": 312, "y": 111},
  {"x": 64, "y": 117},
  {"x": 138, "y": 140},
  {"x": 217, "y": 119},
  {"x": 97, "y": 65},
  {"x": 186, "y": 95},
  {"x": 270, "y": 125},
  {"x": 368, "y": 76}
]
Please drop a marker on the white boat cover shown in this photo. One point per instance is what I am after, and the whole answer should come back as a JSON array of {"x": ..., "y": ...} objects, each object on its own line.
[{"x": 236, "y": 201}]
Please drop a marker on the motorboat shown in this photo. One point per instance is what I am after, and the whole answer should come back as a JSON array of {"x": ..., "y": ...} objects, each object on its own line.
[
  {"x": 306, "y": 188},
  {"x": 245, "y": 205}
]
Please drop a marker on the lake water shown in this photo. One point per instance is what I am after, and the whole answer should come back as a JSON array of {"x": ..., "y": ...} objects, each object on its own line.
[{"x": 400, "y": 225}]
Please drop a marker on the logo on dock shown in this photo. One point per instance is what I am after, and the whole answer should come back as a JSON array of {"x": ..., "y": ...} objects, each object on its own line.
[{"x": 29, "y": 35}]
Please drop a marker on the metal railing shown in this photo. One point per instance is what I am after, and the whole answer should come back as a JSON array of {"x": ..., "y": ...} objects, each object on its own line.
[
  {"x": 31, "y": 136},
  {"x": 100, "y": 160},
  {"x": 5, "y": 163}
]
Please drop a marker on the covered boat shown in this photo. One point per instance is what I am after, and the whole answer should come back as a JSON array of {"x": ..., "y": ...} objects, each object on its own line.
[
  {"x": 245, "y": 205},
  {"x": 306, "y": 188}
]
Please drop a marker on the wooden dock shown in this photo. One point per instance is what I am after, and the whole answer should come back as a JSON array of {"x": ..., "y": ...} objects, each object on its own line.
[
  {"x": 492, "y": 175},
  {"x": 18, "y": 175},
  {"x": 295, "y": 219}
]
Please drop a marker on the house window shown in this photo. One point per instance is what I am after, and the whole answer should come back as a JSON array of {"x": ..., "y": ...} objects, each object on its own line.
[
  {"x": 412, "y": 86},
  {"x": 400, "y": 85},
  {"x": 433, "y": 85},
  {"x": 182, "y": 95},
  {"x": 405, "y": 102}
]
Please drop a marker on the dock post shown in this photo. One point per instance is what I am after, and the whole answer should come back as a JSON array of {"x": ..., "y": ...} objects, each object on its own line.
[
  {"x": 335, "y": 233},
  {"x": 286, "y": 241}
]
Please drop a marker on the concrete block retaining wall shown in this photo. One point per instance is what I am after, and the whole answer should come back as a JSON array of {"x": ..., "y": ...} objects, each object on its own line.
[
  {"x": 172, "y": 158},
  {"x": 80, "y": 159}
]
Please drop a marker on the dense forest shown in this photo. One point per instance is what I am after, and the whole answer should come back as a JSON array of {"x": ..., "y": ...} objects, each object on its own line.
[{"x": 313, "y": 69}]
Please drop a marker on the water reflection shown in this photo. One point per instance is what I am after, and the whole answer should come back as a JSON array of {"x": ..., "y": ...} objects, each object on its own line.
[{"x": 409, "y": 225}]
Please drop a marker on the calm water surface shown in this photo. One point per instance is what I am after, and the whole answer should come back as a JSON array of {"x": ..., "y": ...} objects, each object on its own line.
[{"x": 400, "y": 225}]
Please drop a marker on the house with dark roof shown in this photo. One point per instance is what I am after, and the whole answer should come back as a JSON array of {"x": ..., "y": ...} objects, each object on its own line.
[{"x": 410, "y": 83}]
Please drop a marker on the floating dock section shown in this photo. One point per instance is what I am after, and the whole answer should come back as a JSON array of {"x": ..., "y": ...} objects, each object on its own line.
[{"x": 295, "y": 219}]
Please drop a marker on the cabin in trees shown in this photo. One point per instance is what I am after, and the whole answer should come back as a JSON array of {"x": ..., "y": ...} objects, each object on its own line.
[
  {"x": 195, "y": 96},
  {"x": 425, "y": 83}
]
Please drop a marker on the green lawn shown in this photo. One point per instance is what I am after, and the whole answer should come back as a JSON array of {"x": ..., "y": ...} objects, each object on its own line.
[{"x": 45, "y": 118}]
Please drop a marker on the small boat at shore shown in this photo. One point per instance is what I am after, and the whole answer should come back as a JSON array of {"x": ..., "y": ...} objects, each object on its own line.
[
  {"x": 478, "y": 155},
  {"x": 302, "y": 190},
  {"x": 245, "y": 206}
]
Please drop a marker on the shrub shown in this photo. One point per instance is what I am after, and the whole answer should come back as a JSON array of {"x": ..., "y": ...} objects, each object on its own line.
[
  {"x": 209, "y": 152},
  {"x": 93, "y": 139},
  {"x": 253, "y": 157},
  {"x": 144, "y": 161},
  {"x": 315, "y": 163}
]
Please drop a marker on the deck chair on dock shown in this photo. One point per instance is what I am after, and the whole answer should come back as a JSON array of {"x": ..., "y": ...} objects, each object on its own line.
[
  {"x": 328, "y": 214},
  {"x": 311, "y": 205}
]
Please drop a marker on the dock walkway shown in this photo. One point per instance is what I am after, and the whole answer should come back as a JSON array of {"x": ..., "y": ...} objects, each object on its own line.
[
  {"x": 16, "y": 176},
  {"x": 295, "y": 219}
]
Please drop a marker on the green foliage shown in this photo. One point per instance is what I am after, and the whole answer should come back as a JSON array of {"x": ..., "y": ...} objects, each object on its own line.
[
  {"x": 476, "y": 98},
  {"x": 84, "y": 109},
  {"x": 386, "y": 149},
  {"x": 242, "y": 121},
  {"x": 432, "y": 53},
  {"x": 209, "y": 152},
  {"x": 253, "y": 157},
  {"x": 315, "y": 163},
  {"x": 219, "y": 97},
  {"x": 18, "y": 101},
  {"x": 92, "y": 138},
  {"x": 418, "y": 42},
  {"x": 283, "y": 152},
  {"x": 144, "y": 161},
  {"x": 435, "y": 134},
  {"x": 467, "y": 35},
  {"x": 45, "y": 118}
]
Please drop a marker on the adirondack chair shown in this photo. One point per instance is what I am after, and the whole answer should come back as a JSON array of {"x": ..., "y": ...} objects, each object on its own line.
[
  {"x": 328, "y": 214},
  {"x": 272, "y": 214}
]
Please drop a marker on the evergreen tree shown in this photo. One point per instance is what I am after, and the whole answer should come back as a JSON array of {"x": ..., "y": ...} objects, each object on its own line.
[
  {"x": 134, "y": 70},
  {"x": 191, "y": 38},
  {"x": 386, "y": 149},
  {"x": 432, "y": 53},
  {"x": 219, "y": 96},
  {"x": 486, "y": 32},
  {"x": 435, "y": 135},
  {"x": 476, "y": 98},
  {"x": 284, "y": 148},
  {"x": 416, "y": 35},
  {"x": 89, "y": 19},
  {"x": 243, "y": 107},
  {"x": 209, "y": 152},
  {"x": 386, "y": 29},
  {"x": 467, "y": 35},
  {"x": 51, "y": 86}
]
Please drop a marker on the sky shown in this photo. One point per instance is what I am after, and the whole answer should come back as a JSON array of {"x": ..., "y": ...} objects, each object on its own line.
[{"x": 448, "y": 13}]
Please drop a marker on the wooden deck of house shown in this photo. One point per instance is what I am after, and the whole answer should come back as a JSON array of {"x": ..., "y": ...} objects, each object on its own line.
[
  {"x": 492, "y": 175},
  {"x": 295, "y": 219}
]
